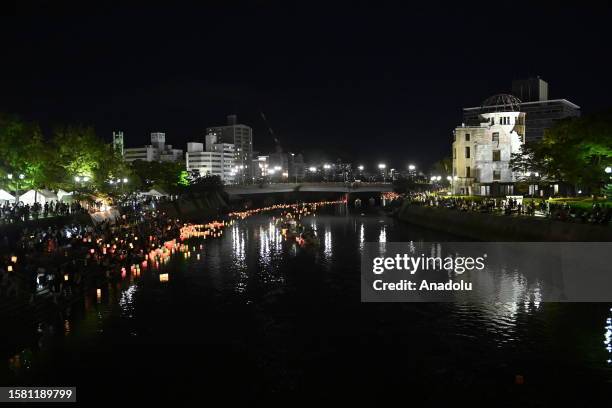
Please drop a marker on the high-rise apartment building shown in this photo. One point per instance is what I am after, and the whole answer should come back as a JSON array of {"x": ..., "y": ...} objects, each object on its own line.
[{"x": 241, "y": 136}]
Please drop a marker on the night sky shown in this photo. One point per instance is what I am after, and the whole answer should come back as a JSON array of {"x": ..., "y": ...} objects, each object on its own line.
[{"x": 362, "y": 82}]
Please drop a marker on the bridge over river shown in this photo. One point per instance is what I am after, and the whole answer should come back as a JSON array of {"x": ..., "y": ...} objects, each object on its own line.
[{"x": 240, "y": 190}]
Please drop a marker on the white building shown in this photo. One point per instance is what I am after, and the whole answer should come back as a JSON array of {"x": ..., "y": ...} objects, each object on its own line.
[
  {"x": 482, "y": 153},
  {"x": 241, "y": 136},
  {"x": 158, "y": 150},
  {"x": 216, "y": 160}
]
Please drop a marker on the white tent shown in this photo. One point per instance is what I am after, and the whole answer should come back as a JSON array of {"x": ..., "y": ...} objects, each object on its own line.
[
  {"x": 64, "y": 195},
  {"x": 5, "y": 196},
  {"x": 39, "y": 196},
  {"x": 155, "y": 193}
]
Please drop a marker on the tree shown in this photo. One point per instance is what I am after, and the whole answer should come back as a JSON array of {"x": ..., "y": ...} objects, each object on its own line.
[
  {"x": 169, "y": 176},
  {"x": 575, "y": 150},
  {"x": 443, "y": 167},
  {"x": 79, "y": 152},
  {"x": 24, "y": 152}
]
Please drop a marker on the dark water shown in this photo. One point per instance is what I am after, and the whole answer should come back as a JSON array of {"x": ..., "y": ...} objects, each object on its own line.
[{"x": 256, "y": 317}]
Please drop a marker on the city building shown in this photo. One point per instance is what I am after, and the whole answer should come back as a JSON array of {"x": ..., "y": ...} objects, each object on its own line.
[
  {"x": 241, "y": 136},
  {"x": 261, "y": 166},
  {"x": 297, "y": 167},
  {"x": 285, "y": 167},
  {"x": 482, "y": 152},
  {"x": 541, "y": 112},
  {"x": 158, "y": 150},
  {"x": 118, "y": 142},
  {"x": 211, "y": 159}
]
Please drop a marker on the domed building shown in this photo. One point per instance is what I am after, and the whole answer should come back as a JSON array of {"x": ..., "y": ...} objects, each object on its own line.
[{"x": 482, "y": 149}]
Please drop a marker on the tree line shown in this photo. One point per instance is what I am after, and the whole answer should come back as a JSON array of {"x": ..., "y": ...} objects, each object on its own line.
[
  {"x": 575, "y": 151},
  {"x": 74, "y": 158}
]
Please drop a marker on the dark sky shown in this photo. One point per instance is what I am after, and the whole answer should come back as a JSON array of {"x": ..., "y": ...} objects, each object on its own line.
[{"x": 362, "y": 82}]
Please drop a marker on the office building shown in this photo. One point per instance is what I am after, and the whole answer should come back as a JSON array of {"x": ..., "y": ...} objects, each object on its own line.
[
  {"x": 158, "y": 150},
  {"x": 241, "y": 136},
  {"x": 541, "y": 112},
  {"x": 211, "y": 159}
]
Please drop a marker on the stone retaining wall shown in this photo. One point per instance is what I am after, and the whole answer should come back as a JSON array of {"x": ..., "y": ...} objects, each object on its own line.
[{"x": 490, "y": 227}]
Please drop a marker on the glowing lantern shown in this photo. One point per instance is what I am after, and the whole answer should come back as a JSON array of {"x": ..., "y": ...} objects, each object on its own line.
[
  {"x": 13, "y": 259},
  {"x": 9, "y": 268},
  {"x": 66, "y": 277},
  {"x": 163, "y": 277}
]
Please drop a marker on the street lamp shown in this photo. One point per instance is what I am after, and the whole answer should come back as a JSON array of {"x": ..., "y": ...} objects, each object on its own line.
[
  {"x": 411, "y": 167},
  {"x": 360, "y": 168},
  {"x": 312, "y": 169},
  {"x": 382, "y": 167}
]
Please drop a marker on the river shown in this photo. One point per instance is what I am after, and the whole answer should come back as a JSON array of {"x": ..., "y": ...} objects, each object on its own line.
[{"x": 250, "y": 315}]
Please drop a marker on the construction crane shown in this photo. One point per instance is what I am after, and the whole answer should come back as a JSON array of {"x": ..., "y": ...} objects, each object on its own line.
[{"x": 276, "y": 141}]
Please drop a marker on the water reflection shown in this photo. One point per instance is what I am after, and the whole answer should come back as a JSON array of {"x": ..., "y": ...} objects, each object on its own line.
[
  {"x": 284, "y": 293},
  {"x": 608, "y": 338}
]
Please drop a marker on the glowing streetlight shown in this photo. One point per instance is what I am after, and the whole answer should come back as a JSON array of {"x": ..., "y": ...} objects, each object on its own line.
[
  {"x": 125, "y": 180},
  {"x": 77, "y": 178},
  {"x": 382, "y": 166},
  {"x": 312, "y": 169},
  {"x": 449, "y": 178},
  {"x": 85, "y": 179},
  {"x": 433, "y": 178},
  {"x": 439, "y": 178},
  {"x": 411, "y": 167},
  {"x": 360, "y": 168},
  {"x": 327, "y": 166}
]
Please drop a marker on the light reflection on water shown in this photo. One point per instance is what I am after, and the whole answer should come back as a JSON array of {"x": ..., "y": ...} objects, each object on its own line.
[{"x": 252, "y": 264}]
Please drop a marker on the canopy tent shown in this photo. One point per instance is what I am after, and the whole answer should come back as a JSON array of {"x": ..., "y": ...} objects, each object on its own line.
[
  {"x": 38, "y": 196},
  {"x": 5, "y": 196},
  {"x": 66, "y": 196},
  {"x": 155, "y": 193}
]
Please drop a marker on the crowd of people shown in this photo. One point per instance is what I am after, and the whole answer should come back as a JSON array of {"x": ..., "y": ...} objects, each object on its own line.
[
  {"x": 63, "y": 259},
  {"x": 18, "y": 212},
  {"x": 562, "y": 211}
]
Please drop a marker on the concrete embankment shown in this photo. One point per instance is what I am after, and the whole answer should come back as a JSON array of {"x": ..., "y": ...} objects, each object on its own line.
[
  {"x": 491, "y": 227},
  {"x": 196, "y": 208}
]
